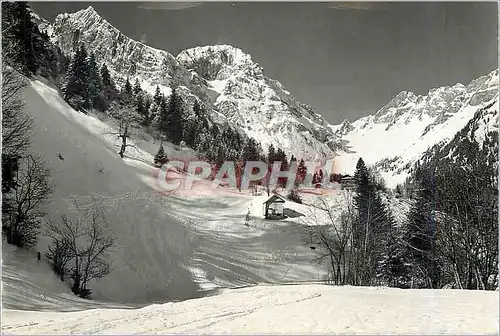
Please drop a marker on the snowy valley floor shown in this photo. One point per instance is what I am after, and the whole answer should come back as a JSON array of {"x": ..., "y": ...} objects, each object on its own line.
[{"x": 294, "y": 309}]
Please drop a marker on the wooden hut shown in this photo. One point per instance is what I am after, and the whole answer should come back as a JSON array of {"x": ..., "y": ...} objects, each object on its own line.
[{"x": 273, "y": 207}]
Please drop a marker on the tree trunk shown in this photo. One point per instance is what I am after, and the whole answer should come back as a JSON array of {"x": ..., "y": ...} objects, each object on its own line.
[
  {"x": 124, "y": 146},
  {"x": 122, "y": 151}
]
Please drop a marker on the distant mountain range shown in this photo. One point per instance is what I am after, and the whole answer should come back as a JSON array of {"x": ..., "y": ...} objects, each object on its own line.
[{"x": 238, "y": 92}]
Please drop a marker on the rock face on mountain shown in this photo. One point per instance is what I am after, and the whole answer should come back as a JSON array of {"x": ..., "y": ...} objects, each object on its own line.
[
  {"x": 123, "y": 56},
  {"x": 226, "y": 80},
  {"x": 258, "y": 104},
  {"x": 478, "y": 140},
  {"x": 236, "y": 92},
  {"x": 397, "y": 136}
]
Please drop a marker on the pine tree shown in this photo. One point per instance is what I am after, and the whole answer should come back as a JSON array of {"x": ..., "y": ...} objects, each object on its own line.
[
  {"x": 271, "y": 155},
  {"x": 126, "y": 99},
  {"x": 251, "y": 151},
  {"x": 171, "y": 118},
  {"x": 146, "y": 121},
  {"x": 361, "y": 200},
  {"x": 160, "y": 157},
  {"x": 141, "y": 106},
  {"x": 137, "y": 87},
  {"x": 95, "y": 85},
  {"x": 316, "y": 178},
  {"x": 106, "y": 77},
  {"x": 373, "y": 223},
  {"x": 301, "y": 171},
  {"x": 191, "y": 128},
  {"x": 28, "y": 48},
  {"x": 76, "y": 92},
  {"x": 109, "y": 91},
  {"x": 157, "y": 98},
  {"x": 281, "y": 156},
  {"x": 284, "y": 163},
  {"x": 420, "y": 232},
  {"x": 163, "y": 114},
  {"x": 128, "y": 88},
  {"x": 392, "y": 268}
]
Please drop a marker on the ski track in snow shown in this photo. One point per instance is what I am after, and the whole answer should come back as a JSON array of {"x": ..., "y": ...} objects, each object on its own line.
[{"x": 299, "y": 309}]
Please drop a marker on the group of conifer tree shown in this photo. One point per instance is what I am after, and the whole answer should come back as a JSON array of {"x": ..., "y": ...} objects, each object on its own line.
[
  {"x": 89, "y": 87},
  {"x": 449, "y": 237}
]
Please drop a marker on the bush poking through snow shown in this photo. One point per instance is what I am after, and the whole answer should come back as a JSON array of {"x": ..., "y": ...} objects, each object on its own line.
[{"x": 294, "y": 196}]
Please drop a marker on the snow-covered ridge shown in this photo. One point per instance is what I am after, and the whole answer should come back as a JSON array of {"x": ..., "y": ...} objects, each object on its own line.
[
  {"x": 396, "y": 136},
  {"x": 43, "y": 25},
  {"x": 124, "y": 57}
]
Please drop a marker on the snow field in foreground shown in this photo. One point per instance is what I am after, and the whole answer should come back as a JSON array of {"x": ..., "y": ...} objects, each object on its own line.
[{"x": 294, "y": 309}]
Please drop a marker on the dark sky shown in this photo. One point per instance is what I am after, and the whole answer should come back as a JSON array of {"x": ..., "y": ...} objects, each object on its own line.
[{"x": 346, "y": 60}]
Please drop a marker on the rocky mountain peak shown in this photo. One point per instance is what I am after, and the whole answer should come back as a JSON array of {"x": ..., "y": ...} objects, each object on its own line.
[
  {"x": 217, "y": 62},
  {"x": 226, "y": 79}
]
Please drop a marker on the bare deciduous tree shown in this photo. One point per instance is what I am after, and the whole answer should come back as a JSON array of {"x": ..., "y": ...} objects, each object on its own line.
[
  {"x": 23, "y": 207},
  {"x": 468, "y": 228},
  {"x": 79, "y": 247},
  {"x": 16, "y": 125},
  {"x": 126, "y": 118},
  {"x": 60, "y": 252},
  {"x": 332, "y": 237}
]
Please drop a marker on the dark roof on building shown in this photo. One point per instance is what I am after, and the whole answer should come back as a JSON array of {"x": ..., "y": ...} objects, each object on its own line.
[{"x": 275, "y": 199}]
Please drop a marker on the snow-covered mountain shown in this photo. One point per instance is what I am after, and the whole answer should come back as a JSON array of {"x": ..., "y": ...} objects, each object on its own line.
[
  {"x": 474, "y": 146},
  {"x": 399, "y": 134},
  {"x": 237, "y": 92},
  {"x": 259, "y": 104},
  {"x": 223, "y": 77}
]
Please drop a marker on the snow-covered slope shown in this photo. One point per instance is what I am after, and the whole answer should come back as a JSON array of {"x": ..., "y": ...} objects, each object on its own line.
[
  {"x": 300, "y": 309},
  {"x": 149, "y": 257},
  {"x": 398, "y": 134},
  {"x": 223, "y": 77},
  {"x": 29, "y": 284},
  {"x": 474, "y": 147},
  {"x": 168, "y": 247}
]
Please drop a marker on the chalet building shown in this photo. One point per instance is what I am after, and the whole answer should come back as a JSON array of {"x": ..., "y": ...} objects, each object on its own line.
[
  {"x": 348, "y": 182},
  {"x": 273, "y": 207}
]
